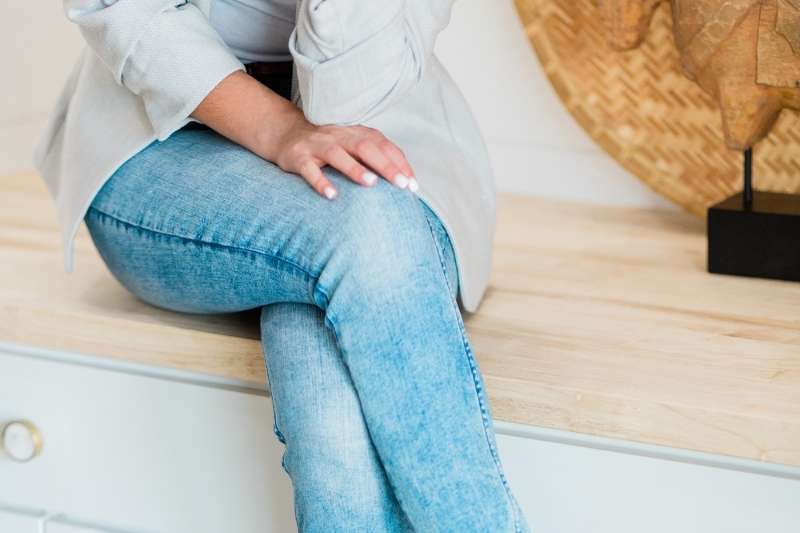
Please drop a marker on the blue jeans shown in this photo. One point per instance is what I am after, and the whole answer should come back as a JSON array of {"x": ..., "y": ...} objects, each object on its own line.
[{"x": 376, "y": 394}]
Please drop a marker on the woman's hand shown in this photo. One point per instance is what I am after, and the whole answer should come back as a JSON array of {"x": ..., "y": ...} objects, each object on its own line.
[
  {"x": 250, "y": 114},
  {"x": 356, "y": 151}
]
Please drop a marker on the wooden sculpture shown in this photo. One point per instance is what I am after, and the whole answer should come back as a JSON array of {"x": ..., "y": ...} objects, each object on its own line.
[
  {"x": 744, "y": 53},
  {"x": 627, "y": 21}
]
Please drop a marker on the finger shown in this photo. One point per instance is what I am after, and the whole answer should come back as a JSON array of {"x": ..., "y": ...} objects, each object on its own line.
[
  {"x": 311, "y": 172},
  {"x": 338, "y": 158},
  {"x": 369, "y": 153},
  {"x": 399, "y": 158}
]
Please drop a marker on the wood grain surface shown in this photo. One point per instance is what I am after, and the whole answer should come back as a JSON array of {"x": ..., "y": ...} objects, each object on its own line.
[{"x": 598, "y": 320}]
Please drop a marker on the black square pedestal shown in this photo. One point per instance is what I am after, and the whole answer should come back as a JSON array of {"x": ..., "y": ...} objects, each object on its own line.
[{"x": 760, "y": 241}]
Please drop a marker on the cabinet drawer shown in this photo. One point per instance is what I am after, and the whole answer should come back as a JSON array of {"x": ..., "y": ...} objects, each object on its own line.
[
  {"x": 57, "y": 527},
  {"x": 568, "y": 488},
  {"x": 143, "y": 453},
  {"x": 60, "y": 527},
  {"x": 13, "y": 522}
]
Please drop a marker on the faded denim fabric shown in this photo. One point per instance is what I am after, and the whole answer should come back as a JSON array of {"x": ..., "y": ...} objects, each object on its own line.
[
  {"x": 376, "y": 394},
  {"x": 147, "y": 64}
]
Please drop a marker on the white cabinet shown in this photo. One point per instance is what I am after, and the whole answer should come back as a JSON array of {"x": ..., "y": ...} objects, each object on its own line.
[
  {"x": 61, "y": 527},
  {"x": 55, "y": 527},
  {"x": 143, "y": 454},
  {"x": 17, "y": 522},
  {"x": 123, "y": 453},
  {"x": 579, "y": 489}
]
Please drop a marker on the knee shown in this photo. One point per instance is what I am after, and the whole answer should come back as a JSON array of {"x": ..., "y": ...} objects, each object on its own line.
[{"x": 384, "y": 238}]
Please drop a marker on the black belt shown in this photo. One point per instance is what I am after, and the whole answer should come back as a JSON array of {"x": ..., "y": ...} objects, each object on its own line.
[{"x": 277, "y": 75}]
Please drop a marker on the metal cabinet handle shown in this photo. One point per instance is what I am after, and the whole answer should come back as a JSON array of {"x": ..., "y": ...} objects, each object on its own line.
[{"x": 21, "y": 440}]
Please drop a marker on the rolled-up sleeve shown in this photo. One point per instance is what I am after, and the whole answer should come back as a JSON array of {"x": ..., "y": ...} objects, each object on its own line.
[
  {"x": 165, "y": 51},
  {"x": 355, "y": 58}
]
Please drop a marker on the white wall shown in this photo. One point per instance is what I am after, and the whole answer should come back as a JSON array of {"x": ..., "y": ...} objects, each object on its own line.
[
  {"x": 536, "y": 147},
  {"x": 37, "y": 48}
]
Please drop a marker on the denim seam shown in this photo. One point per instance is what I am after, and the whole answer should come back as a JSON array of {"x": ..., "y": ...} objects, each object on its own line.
[
  {"x": 275, "y": 429},
  {"x": 271, "y": 255},
  {"x": 476, "y": 384}
]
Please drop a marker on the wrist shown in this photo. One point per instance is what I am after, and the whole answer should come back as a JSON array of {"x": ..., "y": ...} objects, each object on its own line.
[
  {"x": 248, "y": 113},
  {"x": 274, "y": 128}
]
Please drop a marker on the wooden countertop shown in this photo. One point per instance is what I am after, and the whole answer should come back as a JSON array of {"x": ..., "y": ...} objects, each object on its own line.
[{"x": 598, "y": 320}]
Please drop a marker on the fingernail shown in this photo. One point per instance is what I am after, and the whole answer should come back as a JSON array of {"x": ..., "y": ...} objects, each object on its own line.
[
  {"x": 401, "y": 180},
  {"x": 370, "y": 177},
  {"x": 330, "y": 192},
  {"x": 413, "y": 186}
]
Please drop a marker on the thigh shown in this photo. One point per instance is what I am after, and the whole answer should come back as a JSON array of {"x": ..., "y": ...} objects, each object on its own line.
[
  {"x": 194, "y": 224},
  {"x": 197, "y": 223}
]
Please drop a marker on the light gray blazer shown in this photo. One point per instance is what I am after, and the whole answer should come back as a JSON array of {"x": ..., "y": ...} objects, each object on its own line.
[{"x": 149, "y": 63}]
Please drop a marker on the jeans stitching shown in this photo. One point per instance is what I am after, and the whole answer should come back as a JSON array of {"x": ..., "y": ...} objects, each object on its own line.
[
  {"x": 476, "y": 383},
  {"x": 264, "y": 253},
  {"x": 439, "y": 252},
  {"x": 275, "y": 429}
]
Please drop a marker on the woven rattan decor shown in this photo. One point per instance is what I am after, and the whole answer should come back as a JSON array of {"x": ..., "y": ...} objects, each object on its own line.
[{"x": 640, "y": 108}]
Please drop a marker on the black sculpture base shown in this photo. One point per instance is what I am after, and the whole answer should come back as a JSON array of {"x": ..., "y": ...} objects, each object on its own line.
[{"x": 760, "y": 240}]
